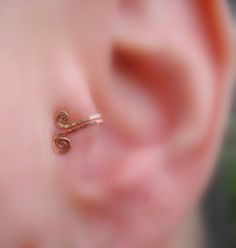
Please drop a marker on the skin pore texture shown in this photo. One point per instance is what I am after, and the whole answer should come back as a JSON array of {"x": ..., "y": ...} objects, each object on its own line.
[{"x": 160, "y": 74}]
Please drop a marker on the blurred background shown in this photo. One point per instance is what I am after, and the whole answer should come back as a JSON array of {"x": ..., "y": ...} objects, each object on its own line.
[{"x": 219, "y": 206}]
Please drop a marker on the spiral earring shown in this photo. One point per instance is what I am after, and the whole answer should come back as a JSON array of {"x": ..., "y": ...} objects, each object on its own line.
[{"x": 61, "y": 143}]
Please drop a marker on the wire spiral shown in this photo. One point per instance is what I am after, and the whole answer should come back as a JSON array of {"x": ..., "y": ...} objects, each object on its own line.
[
  {"x": 62, "y": 120},
  {"x": 62, "y": 144}
]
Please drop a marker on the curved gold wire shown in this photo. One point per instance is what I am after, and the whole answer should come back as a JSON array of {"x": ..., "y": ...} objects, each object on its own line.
[{"x": 62, "y": 144}]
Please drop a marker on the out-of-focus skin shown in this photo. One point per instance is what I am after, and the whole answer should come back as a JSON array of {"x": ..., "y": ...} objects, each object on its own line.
[{"x": 159, "y": 72}]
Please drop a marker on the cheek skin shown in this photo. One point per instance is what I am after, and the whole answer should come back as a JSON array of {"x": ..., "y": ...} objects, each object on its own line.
[{"x": 39, "y": 78}]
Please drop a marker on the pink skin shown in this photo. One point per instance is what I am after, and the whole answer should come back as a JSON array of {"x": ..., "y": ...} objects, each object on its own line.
[{"x": 158, "y": 71}]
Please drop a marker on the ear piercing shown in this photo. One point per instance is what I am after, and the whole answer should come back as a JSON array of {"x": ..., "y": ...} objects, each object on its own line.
[{"x": 62, "y": 144}]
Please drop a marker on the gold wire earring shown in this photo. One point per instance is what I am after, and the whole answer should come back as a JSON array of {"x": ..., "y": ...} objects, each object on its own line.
[{"x": 61, "y": 143}]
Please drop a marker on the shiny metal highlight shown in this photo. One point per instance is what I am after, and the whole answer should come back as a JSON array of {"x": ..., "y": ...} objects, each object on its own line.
[{"x": 61, "y": 143}]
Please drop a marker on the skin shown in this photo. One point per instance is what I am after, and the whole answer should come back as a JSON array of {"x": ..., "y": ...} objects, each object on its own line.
[{"x": 159, "y": 72}]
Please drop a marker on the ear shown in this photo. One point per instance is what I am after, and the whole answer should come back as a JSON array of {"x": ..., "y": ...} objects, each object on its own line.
[{"x": 164, "y": 105}]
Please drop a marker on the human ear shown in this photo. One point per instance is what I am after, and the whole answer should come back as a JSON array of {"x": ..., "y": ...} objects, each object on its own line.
[
  {"x": 164, "y": 105},
  {"x": 168, "y": 98}
]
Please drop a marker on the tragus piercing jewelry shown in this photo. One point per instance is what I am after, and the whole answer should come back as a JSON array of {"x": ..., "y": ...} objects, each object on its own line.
[{"x": 61, "y": 143}]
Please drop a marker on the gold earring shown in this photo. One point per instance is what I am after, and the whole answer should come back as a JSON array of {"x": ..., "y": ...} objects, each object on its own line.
[{"x": 62, "y": 144}]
